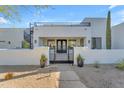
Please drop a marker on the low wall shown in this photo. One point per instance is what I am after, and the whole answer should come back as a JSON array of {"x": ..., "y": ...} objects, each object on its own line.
[
  {"x": 102, "y": 56},
  {"x": 23, "y": 56}
]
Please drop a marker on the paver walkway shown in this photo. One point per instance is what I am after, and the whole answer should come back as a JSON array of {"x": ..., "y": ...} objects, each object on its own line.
[{"x": 68, "y": 78}]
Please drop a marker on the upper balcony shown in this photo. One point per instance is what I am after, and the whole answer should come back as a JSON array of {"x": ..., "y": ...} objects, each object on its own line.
[{"x": 66, "y": 24}]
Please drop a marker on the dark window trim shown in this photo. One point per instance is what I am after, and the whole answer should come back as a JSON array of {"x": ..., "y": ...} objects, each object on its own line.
[{"x": 95, "y": 42}]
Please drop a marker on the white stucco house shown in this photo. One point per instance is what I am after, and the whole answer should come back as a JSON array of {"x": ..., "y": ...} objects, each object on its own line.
[
  {"x": 88, "y": 33},
  {"x": 62, "y": 37},
  {"x": 64, "y": 40}
]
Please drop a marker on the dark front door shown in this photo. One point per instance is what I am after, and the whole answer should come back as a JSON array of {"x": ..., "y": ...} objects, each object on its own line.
[{"x": 61, "y": 46}]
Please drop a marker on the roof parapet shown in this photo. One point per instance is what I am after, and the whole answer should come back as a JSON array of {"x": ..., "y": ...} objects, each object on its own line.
[{"x": 38, "y": 24}]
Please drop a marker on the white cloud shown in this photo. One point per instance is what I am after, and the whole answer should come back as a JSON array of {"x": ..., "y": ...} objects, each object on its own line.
[
  {"x": 3, "y": 20},
  {"x": 112, "y": 6}
]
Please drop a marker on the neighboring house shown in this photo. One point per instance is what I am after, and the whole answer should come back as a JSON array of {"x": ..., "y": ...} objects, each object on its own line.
[
  {"x": 11, "y": 37},
  {"x": 118, "y": 36}
]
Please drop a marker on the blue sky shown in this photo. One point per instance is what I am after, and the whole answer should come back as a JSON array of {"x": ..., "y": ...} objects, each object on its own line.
[{"x": 64, "y": 14}]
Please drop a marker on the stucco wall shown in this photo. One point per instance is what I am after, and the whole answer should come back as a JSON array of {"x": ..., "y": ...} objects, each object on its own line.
[
  {"x": 61, "y": 32},
  {"x": 118, "y": 36},
  {"x": 102, "y": 56},
  {"x": 23, "y": 56}
]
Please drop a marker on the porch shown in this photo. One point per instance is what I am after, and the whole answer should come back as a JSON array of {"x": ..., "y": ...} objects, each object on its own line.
[
  {"x": 62, "y": 42},
  {"x": 61, "y": 49}
]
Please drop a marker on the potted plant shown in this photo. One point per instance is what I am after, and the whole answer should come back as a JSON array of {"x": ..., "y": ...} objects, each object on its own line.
[
  {"x": 80, "y": 61},
  {"x": 43, "y": 61}
]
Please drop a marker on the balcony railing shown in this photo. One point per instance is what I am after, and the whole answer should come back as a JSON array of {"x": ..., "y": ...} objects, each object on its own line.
[{"x": 73, "y": 24}]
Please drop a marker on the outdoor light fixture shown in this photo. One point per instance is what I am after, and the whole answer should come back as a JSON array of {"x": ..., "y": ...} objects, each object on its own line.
[{"x": 88, "y": 41}]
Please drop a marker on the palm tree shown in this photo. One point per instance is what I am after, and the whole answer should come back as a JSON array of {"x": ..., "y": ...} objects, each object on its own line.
[{"x": 108, "y": 31}]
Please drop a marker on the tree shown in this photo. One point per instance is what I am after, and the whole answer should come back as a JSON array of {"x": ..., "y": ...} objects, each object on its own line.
[
  {"x": 9, "y": 12},
  {"x": 108, "y": 31},
  {"x": 25, "y": 44},
  {"x": 12, "y": 12}
]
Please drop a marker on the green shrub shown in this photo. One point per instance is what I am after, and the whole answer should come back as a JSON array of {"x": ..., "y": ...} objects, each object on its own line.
[
  {"x": 96, "y": 64},
  {"x": 25, "y": 44},
  {"x": 120, "y": 65}
]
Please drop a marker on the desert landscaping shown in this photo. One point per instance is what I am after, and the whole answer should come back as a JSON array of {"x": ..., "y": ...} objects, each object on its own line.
[
  {"x": 29, "y": 77},
  {"x": 103, "y": 76}
]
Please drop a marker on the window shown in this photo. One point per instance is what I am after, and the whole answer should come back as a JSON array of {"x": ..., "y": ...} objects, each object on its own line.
[
  {"x": 51, "y": 43},
  {"x": 82, "y": 42},
  {"x": 72, "y": 43},
  {"x": 96, "y": 43}
]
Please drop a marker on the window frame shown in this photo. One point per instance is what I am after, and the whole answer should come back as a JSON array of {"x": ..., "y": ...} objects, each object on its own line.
[
  {"x": 49, "y": 40},
  {"x": 72, "y": 40},
  {"x": 94, "y": 44}
]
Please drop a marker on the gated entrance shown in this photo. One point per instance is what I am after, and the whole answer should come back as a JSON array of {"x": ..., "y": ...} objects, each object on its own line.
[{"x": 64, "y": 56}]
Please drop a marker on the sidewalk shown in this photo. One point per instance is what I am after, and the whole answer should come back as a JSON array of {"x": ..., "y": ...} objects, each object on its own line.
[{"x": 68, "y": 78}]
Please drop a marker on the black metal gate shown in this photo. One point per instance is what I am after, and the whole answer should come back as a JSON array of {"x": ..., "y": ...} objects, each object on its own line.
[{"x": 56, "y": 57}]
